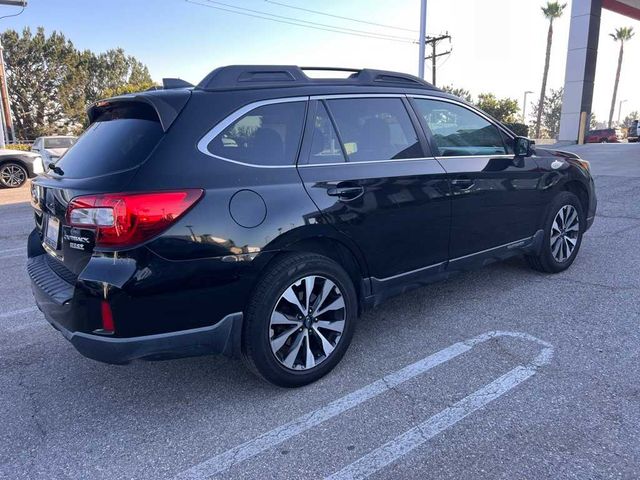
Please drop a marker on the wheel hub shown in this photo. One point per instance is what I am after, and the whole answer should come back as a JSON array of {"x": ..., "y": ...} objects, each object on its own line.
[
  {"x": 307, "y": 322},
  {"x": 564, "y": 233}
]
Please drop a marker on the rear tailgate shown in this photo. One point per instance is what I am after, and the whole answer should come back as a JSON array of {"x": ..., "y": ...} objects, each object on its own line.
[{"x": 104, "y": 159}]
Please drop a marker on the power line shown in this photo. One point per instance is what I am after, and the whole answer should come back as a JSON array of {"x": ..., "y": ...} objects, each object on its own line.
[
  {"x": 341, "y": 17},
  {"x": 299, "y": 22}
]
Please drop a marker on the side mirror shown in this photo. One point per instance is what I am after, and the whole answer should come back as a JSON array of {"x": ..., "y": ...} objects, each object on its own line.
[{"x": 523, "y": 147}]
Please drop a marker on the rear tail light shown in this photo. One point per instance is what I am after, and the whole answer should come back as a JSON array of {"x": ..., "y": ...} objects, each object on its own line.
[{"x": 126, "y": 219}]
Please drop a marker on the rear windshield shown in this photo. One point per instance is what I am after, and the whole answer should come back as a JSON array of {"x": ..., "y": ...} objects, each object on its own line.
[{"x": 120, "y": 138}]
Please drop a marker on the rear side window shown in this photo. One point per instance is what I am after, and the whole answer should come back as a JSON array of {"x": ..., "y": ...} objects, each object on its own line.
[
  {"x": 325, "y": 145},
  {"x": 457, "y": 131},
  {"x": 267, "y": 135},
  {"x": 375, "y": 129},
  {"x": 121, "y": 137}
]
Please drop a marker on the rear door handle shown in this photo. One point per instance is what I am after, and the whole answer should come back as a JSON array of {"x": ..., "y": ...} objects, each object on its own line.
[{"x": 346, "y": 193}]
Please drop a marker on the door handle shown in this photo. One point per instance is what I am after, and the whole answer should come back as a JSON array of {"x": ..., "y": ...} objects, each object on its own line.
[
  {"x": 346, "y": 193},
  {"x": 463, "y": 183}
]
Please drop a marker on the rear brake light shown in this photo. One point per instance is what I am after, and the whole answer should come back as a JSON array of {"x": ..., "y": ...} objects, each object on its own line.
[{"x": 126, "y": 219}]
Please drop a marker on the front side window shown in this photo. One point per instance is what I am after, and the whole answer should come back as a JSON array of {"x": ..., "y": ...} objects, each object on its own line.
[
  {"x": 375, "y": 129},
  {"x": 267, "y": 135},
  {"x": 457, "y": 131}
]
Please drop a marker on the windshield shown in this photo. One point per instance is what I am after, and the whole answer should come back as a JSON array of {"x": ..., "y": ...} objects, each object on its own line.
[
  {"x": 121, "y": 138},
  {"x": 61, "y": 142}
]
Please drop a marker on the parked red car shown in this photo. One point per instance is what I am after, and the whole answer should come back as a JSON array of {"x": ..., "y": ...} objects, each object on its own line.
[{"x": 605, "y": 135}]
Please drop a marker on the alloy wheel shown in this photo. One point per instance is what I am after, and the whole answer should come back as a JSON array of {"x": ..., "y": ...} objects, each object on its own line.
[
  {"x": 564, "y": 233},
  {"x": 12, "y": 175},
  {"x": 307, "y": 322}
]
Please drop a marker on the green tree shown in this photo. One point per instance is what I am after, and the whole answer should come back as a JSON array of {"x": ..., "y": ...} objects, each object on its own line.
[
  {"x": 458, "y": 92},
  {"x": 628, "y": 120},
  {"x": 549, "y": 115},
  {"x": 51, "y": 83},
  {"x": 502, "y": 109},
  {"x": 622, "y": 35},
  {"x": 551, "y": 11}
]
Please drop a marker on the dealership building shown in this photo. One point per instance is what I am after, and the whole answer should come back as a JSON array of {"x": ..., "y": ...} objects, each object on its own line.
[{"x": 581, "y": 62}]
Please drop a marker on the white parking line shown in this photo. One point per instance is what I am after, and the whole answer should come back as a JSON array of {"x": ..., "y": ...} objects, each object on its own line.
[
  {"x": 13, "y": 313},
  {"x": 22, "y": 252},
  {"x": 413, "y": 438},
  {"x": 13, "y": 249},
  {"x": 446, "y": 418}
]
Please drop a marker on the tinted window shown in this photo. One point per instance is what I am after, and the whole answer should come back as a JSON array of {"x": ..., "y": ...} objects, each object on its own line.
[
  {"x": 268, "y": 135},
  {"x": 325, "y": 146},
  {"x": 375, "y": 129},
  {"x": 121, "y": 138},
  {"x": 458, "y": 131}
]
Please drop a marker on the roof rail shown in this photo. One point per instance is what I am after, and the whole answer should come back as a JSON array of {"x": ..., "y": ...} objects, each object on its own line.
[{"x": 250, "y": 76}]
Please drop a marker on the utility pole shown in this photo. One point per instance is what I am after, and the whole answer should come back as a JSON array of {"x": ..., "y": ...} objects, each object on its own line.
[
  {"x": 4, "y": 102},
  {"x": 434, "y": 45},
  {"x": 6, "y": 125},
  {"x": 423, "y": 37}
]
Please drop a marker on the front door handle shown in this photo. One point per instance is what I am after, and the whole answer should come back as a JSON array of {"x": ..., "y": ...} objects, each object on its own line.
[
  {"x": 463, "y": 183},
  {"x": 346, "y": 193}
]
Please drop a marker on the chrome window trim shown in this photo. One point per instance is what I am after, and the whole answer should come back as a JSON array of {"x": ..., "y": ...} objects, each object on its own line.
[
  {"x": 367, "y": 162},
  {"x": 461, "y": 157},
  {"x": 219, "y": 128}
]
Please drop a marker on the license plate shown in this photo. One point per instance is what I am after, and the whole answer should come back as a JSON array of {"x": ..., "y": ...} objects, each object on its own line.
[{"x": 52, "y": 234}]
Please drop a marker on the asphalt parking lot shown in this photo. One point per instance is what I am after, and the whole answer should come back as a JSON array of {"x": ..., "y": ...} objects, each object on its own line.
[{"x": 500, "y": 373}]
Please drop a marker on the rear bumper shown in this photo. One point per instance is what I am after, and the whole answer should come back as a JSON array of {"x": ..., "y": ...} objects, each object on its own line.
[
  {"x": 220, "y": 338},
  {"x": 190, "y": 326}
]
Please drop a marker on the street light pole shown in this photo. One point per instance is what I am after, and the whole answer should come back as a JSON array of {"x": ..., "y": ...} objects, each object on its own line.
[
  {"x": 423, "y": 37},
  {"x": 524, "y": 106},
  {"x": 620, "y": 110}
]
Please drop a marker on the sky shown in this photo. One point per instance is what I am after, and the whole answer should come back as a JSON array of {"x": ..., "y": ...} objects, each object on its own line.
[{"x": 498, "y": 46}]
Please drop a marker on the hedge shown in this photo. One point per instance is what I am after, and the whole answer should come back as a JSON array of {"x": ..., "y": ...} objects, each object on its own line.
[{"x": 19, "y": 146}]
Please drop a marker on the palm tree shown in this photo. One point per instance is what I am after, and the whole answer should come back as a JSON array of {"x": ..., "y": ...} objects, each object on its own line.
[
  {"x": 622, "y": 35},
  {"x": 552, "y": 11}
]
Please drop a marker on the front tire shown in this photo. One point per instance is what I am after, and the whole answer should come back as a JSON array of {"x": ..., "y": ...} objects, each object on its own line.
[
  {"x": 12, "y": 175},
  {"x": 300, "y": 320},
  {"x": 563, "y": 229}
]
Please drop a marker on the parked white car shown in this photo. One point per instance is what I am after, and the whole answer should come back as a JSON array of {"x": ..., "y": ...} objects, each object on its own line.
[
  {"x": 17, "y": 166},
  {"x": 53, "y": 147}
]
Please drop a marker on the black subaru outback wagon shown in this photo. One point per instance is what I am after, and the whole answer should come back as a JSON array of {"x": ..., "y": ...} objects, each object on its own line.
[{"x": 261, "y": 211}]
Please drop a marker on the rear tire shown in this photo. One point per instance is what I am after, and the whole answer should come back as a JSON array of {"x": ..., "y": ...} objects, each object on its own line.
[
  {"x": 12, "y": 175},
  {"x": 563, "y": 229},
  {"x": 300, "y": 320}
]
